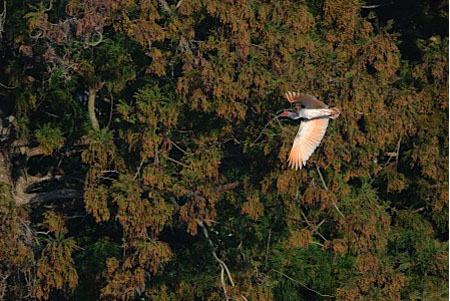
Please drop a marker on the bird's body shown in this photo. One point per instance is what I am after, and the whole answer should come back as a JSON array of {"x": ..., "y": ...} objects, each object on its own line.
[{"x": 315, "y": 116}]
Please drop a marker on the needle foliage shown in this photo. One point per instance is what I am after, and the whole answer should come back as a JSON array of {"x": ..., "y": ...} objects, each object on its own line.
[{"x": 133, "y": 165}]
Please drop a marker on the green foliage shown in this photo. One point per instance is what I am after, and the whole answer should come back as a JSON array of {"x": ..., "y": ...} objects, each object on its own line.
[
  {"x": 49, "y": 138},
  {"x": 183, "y": 178},
  {"x": 16, "y": 253},
  {"x": 55, "y": 267}
]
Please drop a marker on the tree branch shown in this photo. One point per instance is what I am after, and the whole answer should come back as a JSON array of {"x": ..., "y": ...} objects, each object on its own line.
[
  {"x": 376, "y": 5},
  {"x": 296, "y": 281},
  {"x": 326, "y": 188},
  {"x": 100, "y": 39},
  {"x": 165, "y": 6},
  {"x": 222, "y": 264},
  {"x": 2, "y": 22},
  {"x": 314, "y": 230},
  {"x": 33, "y": 198},
  {"x": 5, "y": 86},
  {"x": 24, "y": 182},
  {"x": 91, "y": 109}
]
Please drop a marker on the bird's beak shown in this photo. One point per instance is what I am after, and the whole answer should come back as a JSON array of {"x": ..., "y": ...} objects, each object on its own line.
[{"x": 284, "y": 114}]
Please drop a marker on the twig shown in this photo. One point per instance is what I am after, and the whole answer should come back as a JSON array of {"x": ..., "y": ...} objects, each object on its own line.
[
  {"x": 177, "y": 146},
  {"x": 309, "y": 289},
  {"x": 42, "y": 232},
  {"x": 176, "y": 161},
  {"x": 395, "y": 154},
  {"x": 321, "y": 178},
  {"x": 398, "y": 151},
  {"x": 165, "y": 6},
  {"x": 7, "y": 87},
  {"x": 138, "y": 171},
  {"x": 50, "y": 6},
  {"x": 262, "y": 131},
  {"x": 320, "y": 224},
  {"x": 318, "y": 243},
  {"x": 222, "y": 279},
  {"x": 228, "y": 186},
  {"x": 109, "y": 171},
  {"x": 259, "y": 46},
  {"x": 222, "y": 264},
  {"x": 376, "y": 5},
  {"x": 418, "y": 209},
  {"x": 110, "y": 110},
  {"x": 2, "y": 19},
  {"x": 326, "y": 188},
  {"x": 179, "y": 4},
  {"x": 205, "y": 232},
  {"x": 100, "y": 39},
  {"x": 267, "y": 247},
  {"x": 314, "y": 230}
]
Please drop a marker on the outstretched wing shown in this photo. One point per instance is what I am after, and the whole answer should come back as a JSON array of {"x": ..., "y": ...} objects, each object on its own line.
[
  {"x": 307, "y": 101},
  {"x": 309, "y": 135}
]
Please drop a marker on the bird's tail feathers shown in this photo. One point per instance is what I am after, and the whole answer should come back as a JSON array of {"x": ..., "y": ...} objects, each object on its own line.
[{"x": 334, "y": 113}]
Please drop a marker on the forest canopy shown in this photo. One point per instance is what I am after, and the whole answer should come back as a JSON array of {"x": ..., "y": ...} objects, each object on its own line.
[{"x": 137, "y": 161}]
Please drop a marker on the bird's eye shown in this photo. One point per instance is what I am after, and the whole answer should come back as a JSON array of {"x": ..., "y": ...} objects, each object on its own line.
[{"x": 302, "y": 106}]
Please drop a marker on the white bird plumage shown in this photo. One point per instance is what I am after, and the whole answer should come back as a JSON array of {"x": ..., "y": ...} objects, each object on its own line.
[{"x": 315, "y": 115}]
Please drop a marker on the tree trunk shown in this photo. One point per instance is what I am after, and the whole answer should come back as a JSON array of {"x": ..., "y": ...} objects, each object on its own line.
[{"x": 91, "y": 109}]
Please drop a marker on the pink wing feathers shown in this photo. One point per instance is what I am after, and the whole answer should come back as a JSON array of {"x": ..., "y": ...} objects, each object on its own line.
[{"x": 309, "y": 135}]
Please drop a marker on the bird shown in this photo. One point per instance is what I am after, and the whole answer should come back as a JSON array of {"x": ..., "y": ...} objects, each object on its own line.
[{"x": 314, "y": 116}]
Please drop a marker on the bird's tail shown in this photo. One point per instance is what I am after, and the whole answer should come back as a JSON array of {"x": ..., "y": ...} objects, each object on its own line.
[{"x": 334, "y": 113}]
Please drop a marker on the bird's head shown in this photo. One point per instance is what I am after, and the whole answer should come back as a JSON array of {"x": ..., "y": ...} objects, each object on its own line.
[{"x": 289, "y": 114}]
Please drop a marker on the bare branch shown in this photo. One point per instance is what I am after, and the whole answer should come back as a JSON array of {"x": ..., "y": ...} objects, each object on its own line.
[
  {"x": 33, "y": 198},
  {"x": 177, "y": 146},
  {"x": 50, "y": 6},
  {"x": 267, "y": 247},
  {"x": 398, "y": 151},
  {"x": 32, "y": 152},
  {"x": 165, "y": 6},
  {"x": 314, "y": 230},
  {"x": 376, "y": 5},
  {"x": 100, "y": 39},
  {"x": 262, "y": 131},
  {"x": 91, "y": 109},
  {"x": 222, "y": 264},
  {"x": 298, "y": 282},
  {"x": 205, "y": 232},
  {"x": 176, "y": 161},
  {"x": 395, "y": 154},
  {"x": 179, "y": 4},
  {"x": 222, "y": 279},
  {"x": 228, "y": 186},
  {"x": 2, "y": 20},
  {"x": 3, "y": 85},
  {"x": 110, "y": 110},
  {"x": 326, "y": 188},
  {"x": 138, "y": 171}
]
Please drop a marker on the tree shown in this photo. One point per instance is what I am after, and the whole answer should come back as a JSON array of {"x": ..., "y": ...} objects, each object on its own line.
[{"x": 136, "y": 162}]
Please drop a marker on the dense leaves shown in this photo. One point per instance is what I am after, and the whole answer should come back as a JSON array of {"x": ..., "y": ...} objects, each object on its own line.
[{"x": 137, "y": 160}]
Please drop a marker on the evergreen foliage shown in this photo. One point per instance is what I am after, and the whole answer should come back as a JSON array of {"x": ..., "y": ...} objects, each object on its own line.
[{"x": 135, "y": 163}]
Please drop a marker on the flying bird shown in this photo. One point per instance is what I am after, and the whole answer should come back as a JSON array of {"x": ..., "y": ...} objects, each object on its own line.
[{"x": 315, "y": 116}]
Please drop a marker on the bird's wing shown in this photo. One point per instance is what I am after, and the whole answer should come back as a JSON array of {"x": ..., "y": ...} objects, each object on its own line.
[
  {"x": 306, "y": 141},
  {"x": 307, "y": 101}
]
